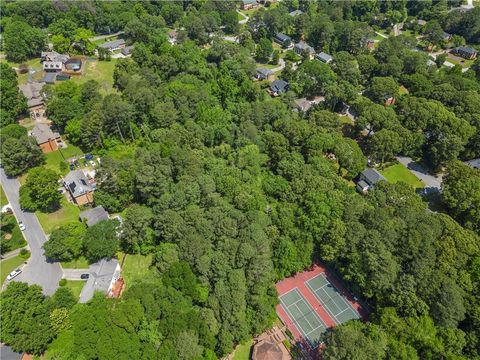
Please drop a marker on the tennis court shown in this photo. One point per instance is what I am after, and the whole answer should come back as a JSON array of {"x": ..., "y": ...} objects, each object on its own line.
[
  {"x": 303, "y": 316},
  {"x": 331, "y": 299}
]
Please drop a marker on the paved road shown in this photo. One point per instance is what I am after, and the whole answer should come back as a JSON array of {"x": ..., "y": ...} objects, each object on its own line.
[
  {"x": 38, "y": 270},
  {"x": 101, "y": 37},
  {"x": 74, "y": 274},
  {"x": 416, "y": 169},
  {"x": 281, "y": 66}
]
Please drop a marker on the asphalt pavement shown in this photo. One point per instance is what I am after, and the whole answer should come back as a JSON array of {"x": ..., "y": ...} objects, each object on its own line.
[
  {"x": 431, "y": 181},
  {"x": 38, "y": 270}
]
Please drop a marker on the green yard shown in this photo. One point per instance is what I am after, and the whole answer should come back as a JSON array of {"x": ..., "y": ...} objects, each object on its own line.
[
  {"x": 32, "y": 63},
  {"x": 3, "y": 197},
  {"x": 11, "y": 235},
  {"x": 101, "y": 71},
  {"x": 8, "y": 265},
  {"x": 242, "y": 352},
  {"x": 399, "y": 172},
  {"x": 76, "y": 286},
  {"x": 54, "y": 158},
  {"x": 134, "y": 268},
  {"x": 68, "y": 212},
  {"x": 80, "y": 263}
]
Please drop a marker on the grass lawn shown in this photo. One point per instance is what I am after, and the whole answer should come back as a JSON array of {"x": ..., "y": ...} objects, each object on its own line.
[
  {"x": 76, "y": 286},
  {"x": 80, "y": 263},
  {"x": 67, "y": 213},
  {"x": 135, "y": 267},
  {"x": 399, "y": 172},
  {"x": 3, "y": 197},
  {"x": 462, "y": 62},
  {"x": 11, "y": 235},
  {"x": 266, "y": 66},
  {"x": 32, "y": 63},
  {"x": 7, "y": 266},
  {"x": 403, "y": 90},
  {"x": 56, "y": 157},
  {"x": 242, "y": 352},
  {"x": 101, "y": 71}
]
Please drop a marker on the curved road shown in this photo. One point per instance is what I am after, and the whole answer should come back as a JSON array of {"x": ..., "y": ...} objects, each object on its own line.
[{"x": 38, "y": 270}]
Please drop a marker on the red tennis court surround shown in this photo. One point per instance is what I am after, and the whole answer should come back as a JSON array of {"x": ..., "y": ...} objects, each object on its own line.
[{"x": 323, "y": 303}]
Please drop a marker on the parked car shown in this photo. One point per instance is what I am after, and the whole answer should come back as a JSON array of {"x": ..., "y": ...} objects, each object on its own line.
[
  {"x": 92, "y": 163},
  {"x": 84, "y": 276},
  {"x": 13, "y": 274},
  {"x": 22, "y": 226},
  {"x": 89, "y": 156}
]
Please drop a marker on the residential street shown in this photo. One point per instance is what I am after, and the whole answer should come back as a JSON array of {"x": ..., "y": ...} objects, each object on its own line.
[
  {"x": 38, "y": 270},
  {"x": 416, "y": 169}
]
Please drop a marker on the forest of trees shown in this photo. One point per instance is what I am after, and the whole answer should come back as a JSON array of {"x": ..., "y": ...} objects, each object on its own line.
[{"x": 230, "y": 190}]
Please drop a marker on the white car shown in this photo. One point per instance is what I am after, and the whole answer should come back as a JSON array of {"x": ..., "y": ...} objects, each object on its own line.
[
  {"x": 13, "y": 274},
  {"x": 92, "y": 163},
  {"x": 21, "y": 226}
]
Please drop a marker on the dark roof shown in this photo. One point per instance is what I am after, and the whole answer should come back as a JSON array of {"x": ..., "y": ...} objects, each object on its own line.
[
  {"x": 94, "y": 216},
  {"x": 112, "y": 44},
  {"x": 265, "y": 72},
  {"x": 127, "y": 50},
  {"x": 475, "y": 163},
  {"x": 362, "y": 184},
  {"x": 77, "y": 183},
  {"x": 282, "y": 37},
  {"x": 6, "y": 353},
  {"x": 49, "y": 78},
  {"x": 42, "y": 133},
  {"x": 303, "y": 46},
  {"x": 279, "y": 86},
  {"x": 371, "y": 176},
  {"x": 466, "y": 50}
]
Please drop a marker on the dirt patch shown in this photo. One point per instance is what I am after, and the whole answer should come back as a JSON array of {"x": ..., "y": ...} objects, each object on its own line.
[{"x": 7, "y": 236}]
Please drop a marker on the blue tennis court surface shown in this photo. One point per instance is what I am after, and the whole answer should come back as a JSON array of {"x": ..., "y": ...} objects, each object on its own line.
[
  {"x": 331, "y": 299},
  {"x": 303, "y": 316}
]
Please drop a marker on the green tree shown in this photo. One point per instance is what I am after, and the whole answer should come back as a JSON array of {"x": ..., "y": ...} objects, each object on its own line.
[
  {"x": 100, "y": 240},
  {"x": 384, "y": 145},
  {"x": 138, "y": 235},
  {"x": 12, "y": 102},
  {"x": 40, "y": 191},
  {"x": 65, "y": 243},
  {"x": 382, "y": 88},
  {"x": 21, "y": 41},
  {"x": 264, "y": 50},
  {"x": 20, "y": 154}
]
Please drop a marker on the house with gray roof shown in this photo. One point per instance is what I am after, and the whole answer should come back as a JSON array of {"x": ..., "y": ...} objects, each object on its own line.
[
  {"x": 284, "y": 40},
  {"x": 103, "y": 276},
  {"x": 79, "y": 187},
  {"x": 128, "y": 50},
  {"x": 7, "y": 353},
  {"x": 324, "y": 57},
  {"x": 53, "y": 56},
  {"x": 475, "y": 163},
  {"x": 94, "y": 216},
  {"x": 33, "y": 92},
  {"x": 264, "y": 74},
  {"x": 302, "y": 48},
  {"x": 368, "y": 179},
  {"x": 278, "y": 87},
  {"x": 47, "y": 139},
  {"x": 113, "y": 45}
]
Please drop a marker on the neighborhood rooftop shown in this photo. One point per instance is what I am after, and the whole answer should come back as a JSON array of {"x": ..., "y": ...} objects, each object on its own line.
[
  {"x": 94, "y": 216},
  {"x": 372, "y": 176},
  {"x": 101, "y": 275},
  {"x": 42, "y": 133},
  {"x": 279, "y": 86},
  {"x": 32, "y": 91},
  {"x": 77, "y": 183},
  {"x": 114, "y": 44},
  {"x": 324, "y": 57},
  {"x": 265, "y": 72}
]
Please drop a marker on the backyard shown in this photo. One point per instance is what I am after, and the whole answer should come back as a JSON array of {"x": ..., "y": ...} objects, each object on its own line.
[
  {"x": 134, "y": 267},
  {"x": 11, "y": 236},
  {"x": 68, "y": 212},
  {"x": 101, "y": 71},
  {"x": 242, "y": 352},
  {"x": 55, "y": 158},
  {"x": 76, "y": 286},
  {"x": 399, "y": 172},
  {"x": 8, "y": 265}
]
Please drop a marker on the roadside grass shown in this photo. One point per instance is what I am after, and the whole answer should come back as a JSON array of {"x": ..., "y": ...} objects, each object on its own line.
[
  {"x": 134, "y": 267},
  {"x": 11, "y": 240},
  {"x": 67, "y": 213},
  {"x": 53, "y": 159},
  {"x": 242, "y": 352},
  {"x": 76, "y": 286},
  {"x": 101, "y": 71},
  {"x": 3, "y": 197},
  {"x": 8, "y": 265},
  {"x": 80, "y": 263},
  {"x": 399, "y": 172}
]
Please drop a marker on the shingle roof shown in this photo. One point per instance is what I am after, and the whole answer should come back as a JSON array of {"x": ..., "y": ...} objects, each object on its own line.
[
  {"x": 303, "y": 46},
  {"x": 112, "y": 44},
  {"x": 267, "y": 350},
  {"x": 127, "y": 50},
  {"x": 279, "y": 86},
  {"x": 101, "y": 275},
  {"x": 94, "y": 216},
  {"x": 32, "y": 91},
  {"x": 77, "y": 183},
  {"x": 465, "y": 49},
  {"x": 42, "y": 133},
  {"x": 282, "y": 37},
  {"x": 475, "y": 163},
  {"x": 296, "y": 12},
  {"x": 324, "y": 57},
  {"x": 265, "y": 72},
  {"x": 372, "y": 176},
  {"x": 6, "y": 353}
]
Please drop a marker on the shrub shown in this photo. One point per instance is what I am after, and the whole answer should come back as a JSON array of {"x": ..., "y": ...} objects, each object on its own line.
[
  {"x": 24, "y": 254},
  {"x": 62, "y": 282}
]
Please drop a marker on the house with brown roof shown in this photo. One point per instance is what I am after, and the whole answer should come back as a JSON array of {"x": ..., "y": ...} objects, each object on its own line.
[
  {"x": 47, "y": 139},
  {"x": 269, "y": 346},
  {"x": 33, "y": 92}
]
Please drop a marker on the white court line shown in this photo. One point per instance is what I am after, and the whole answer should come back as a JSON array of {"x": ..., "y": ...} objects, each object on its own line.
[{"x": 318, "y": 327}]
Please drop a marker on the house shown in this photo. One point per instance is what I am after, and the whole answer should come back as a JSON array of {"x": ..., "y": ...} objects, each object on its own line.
[
  {"x": 73, "y": 64},
  {"x": 128, "y": 50},
  {"x": 32, "y": 91},
  {"x": 295, "y": 13},
  {"x": 47, "y": 139},
  {"x": 264, "y": 74},
  {"x": 446, "y": 36},
  {"x": 465, "y": 52},
  {"x": 431, "y": 63},
  {"x": 52, "y": 66},
  {"x": 172, "y": 37},
  {"x": 103, "y": 276},
  {"x": 79, "y": 188},
  {"x": 94, "y": 216},
  {"x": 302, "y": 48},
  {"x": 53, "y": 56},
  {"x": 368, "y": 179},
  {"x": 113, "y": 45},
  {"x": 270, "y": 346},
  {"x": 6, "y": 353},
  {"x": 278, "y": 87},
  {"x": 283, "y": 40},
  {"x": 475, "y": 163},
  {"x": 324, "y": 57},
  {"x": 389, "y": 100},
  {"x": 249, "y": 4}
]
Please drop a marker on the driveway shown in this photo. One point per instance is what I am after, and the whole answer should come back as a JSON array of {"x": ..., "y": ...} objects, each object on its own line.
[
  {"x": 430, "y": 181},
  {"x": 281, "y": 66},
  {"x": 37, "y": 271},
  {"x": 75, "y": 274},
  {"x": 245, "y": 18}
]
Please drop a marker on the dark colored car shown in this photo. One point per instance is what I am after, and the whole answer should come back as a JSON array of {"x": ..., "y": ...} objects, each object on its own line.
[
  {"x": 88, "y": 156},
  {"x": 84, "y": 276}
]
